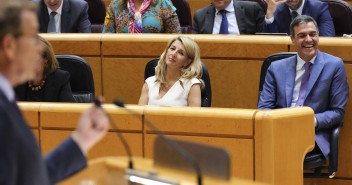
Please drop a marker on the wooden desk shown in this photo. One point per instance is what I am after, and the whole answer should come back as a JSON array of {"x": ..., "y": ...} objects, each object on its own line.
[
  {"x": 110, "y": 171},
  {"x": 263, "y": 145}
]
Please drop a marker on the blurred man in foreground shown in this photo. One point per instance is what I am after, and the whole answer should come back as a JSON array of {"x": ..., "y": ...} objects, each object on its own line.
[{"x": 20, "y": 156}]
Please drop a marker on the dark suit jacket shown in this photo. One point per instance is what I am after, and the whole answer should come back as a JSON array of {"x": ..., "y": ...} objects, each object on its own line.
[
  {"x": 327, "y": 92},
  {"x": 74, "y": 18},
  {"x": 20, "y": 156},
  {"x": 249, "y": 16},
  {"x": 316, "y": 9},
  {"x": 56, "y": 89}
]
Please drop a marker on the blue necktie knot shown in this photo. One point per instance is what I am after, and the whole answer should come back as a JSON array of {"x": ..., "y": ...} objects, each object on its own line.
[{"x": 224, "y": 27}]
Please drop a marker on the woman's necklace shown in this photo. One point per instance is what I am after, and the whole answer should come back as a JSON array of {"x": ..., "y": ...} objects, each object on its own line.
[{"x": 36, "y": 87}]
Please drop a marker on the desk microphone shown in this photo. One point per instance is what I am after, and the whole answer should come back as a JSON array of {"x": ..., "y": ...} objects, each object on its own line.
[
  {"x": 168, "y": 140},
  {"x": 119, "y": 135}
]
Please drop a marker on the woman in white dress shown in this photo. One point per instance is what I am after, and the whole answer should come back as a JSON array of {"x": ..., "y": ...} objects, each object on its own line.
[{"x": 177, "y": 80}]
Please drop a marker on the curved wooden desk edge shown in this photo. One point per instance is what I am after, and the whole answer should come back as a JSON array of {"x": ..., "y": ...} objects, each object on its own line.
[{"x": 278, "y": 134}]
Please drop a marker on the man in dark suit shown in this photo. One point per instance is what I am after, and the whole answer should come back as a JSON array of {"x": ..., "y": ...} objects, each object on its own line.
[
  {"x": 229, "y": 17},
  {"x": 63, "y": 16},
  {"x": 311, "y": 78},
  {"x": 20, "y": 156},
  {"x": 280, "y": 13}
]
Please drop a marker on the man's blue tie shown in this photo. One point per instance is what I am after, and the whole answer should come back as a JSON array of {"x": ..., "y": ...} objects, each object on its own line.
[
  {"x": 224, "y": 27},
  {"x": 52, "y": 23},
  {"x": 304, "y": 84}
]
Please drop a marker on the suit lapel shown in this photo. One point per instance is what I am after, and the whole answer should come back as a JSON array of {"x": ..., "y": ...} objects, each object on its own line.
[
  {"x": 315, "y": 72},
  {"x": 285, "y": 19},
  {"x": 306, "y": 8},
  {"x": 290, "y": 79},
  {"x": 43, "y": 16},
  {"x": 240, "y": 17},
  {"x": 65, "y": 17},
  {"x": 209, "y": 20}
]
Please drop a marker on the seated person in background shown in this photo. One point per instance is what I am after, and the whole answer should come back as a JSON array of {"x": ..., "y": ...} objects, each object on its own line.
[
  {"x": 50, "y": 84},
  {"x": 229, "y": 17},
  {"x": 96, "y": 11},
  {"x": 141, "y": 16},
  {"x": 280, "y": 13},
  {"x": 63, "y": 16},
  {"x": 311, "y": 78},
  {"x": 177, "y": 80}
]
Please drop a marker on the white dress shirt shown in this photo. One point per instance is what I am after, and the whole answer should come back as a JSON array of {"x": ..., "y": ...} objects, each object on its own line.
[
  {"x": 299, "y": 12},
  {"x": 57, "y": 17},
  {"x": 231, "y": 19},
  {"x": 6, "y": 88}
]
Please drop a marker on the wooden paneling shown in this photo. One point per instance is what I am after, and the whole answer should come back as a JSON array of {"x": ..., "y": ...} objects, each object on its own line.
[
  {"x": 110, "y": 145},
  {"x": 226, "y": 46},
  {"x": 123, "y": 78},
  {"x": 269, "y": 145},
  {"x": 75, "y": 44},
  {"x": 30, "y": 112},
  {"x": 240, "y": 150},
  {"x": 229, "y": 128},
  {"x": 66, "y": 116},
  {"x": 240, "y": 46},
  {"x": 234, "y": 83},
  {"x": 197, "y": 4},
  {"x": 201, "y": 121},
  {"x": 280, "y": 147}
]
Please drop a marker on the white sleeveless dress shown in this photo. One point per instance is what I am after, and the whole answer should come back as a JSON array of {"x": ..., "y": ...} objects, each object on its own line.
[{"x": 177, "y": 95}]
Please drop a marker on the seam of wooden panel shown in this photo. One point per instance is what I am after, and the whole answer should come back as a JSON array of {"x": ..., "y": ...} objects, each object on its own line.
[
  {"x": 253, "y": 127},
  {"x": 101, "y": 66},
  {"x": 202, "y": 134},
  {"x": 39, "y": 130}
]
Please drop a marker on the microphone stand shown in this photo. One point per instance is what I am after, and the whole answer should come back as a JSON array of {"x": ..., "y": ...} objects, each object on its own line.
[{"x": 168, "y": 140}]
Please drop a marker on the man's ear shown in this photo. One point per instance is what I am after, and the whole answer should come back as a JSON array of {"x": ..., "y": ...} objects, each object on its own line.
[
  {"x": 292, "y": 39},
  {"x": 9, "y": 45}
]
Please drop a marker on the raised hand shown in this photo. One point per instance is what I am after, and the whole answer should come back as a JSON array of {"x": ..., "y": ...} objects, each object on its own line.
[
  {"x": 91, "y": 128},
  {"x": 272, "y": 5}
]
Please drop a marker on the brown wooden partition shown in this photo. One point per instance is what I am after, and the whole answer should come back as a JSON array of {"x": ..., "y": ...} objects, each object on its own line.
[
  {"x": 86, "y": 46},
  {"x": 31, "y": 113},
  {"x": 58, "y": 121},
  {"x": 268, "y": 146},
  {"x": 263, "y": 145},
  {"x": 234, "y": 64},
  {"x": 228, "y": 128}
]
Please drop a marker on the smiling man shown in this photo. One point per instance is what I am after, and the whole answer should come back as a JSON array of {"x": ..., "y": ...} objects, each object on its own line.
[
  {"x": 280, "y": 13},
  {"x": 229, "y": 17},
  {"x": 311, "y": 78},
  {"x": 63, "y": 16}
]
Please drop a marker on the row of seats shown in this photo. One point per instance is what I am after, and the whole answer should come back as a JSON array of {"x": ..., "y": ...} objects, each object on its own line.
[
  {"x": 341, "y": 13},
  {"x": 82, "y": 86}
]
